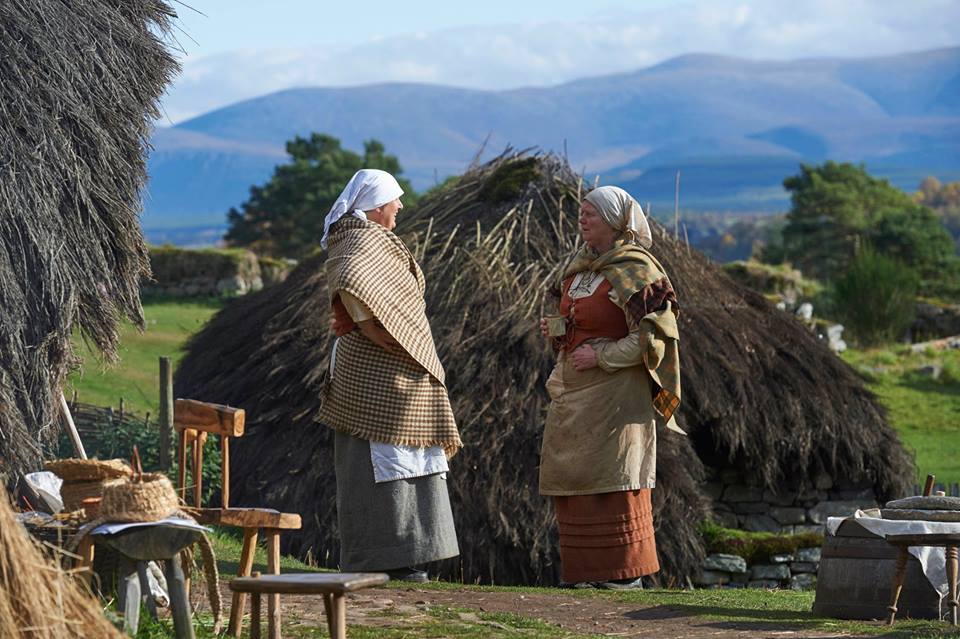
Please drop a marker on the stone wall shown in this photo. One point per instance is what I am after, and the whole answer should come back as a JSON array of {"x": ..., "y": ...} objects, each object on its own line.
[
  {"x": 797, "y": 571},
  {"x": 181, "y": 272},
  {"x": 738, "y": 503}
]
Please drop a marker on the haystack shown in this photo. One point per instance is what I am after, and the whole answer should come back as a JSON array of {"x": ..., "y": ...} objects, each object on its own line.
[
  {"x": 38, "y": 599},
  {"x": 80, "y": 87},
  {"x": 760, "y": 392}
]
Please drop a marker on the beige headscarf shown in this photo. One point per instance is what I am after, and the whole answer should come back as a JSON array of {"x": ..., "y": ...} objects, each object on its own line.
[{"x": 622, "y": 212}]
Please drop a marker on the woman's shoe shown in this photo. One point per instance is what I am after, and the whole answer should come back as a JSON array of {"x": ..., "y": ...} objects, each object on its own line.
[
  {"x": 578, "y": 585},
  {"x": 408, "y": 574},
  {"x": 630, "y": 583}
]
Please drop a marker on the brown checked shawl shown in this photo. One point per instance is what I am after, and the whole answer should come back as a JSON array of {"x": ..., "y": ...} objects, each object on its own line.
[
  {"x": 643, "y": 290},
  {"x": 396, "y": 398}
]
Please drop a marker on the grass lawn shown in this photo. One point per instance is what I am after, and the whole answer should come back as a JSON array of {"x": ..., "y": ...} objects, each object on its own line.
[
  {"x": 136, "y": 378},
  {"x": 925, "y": 411}
]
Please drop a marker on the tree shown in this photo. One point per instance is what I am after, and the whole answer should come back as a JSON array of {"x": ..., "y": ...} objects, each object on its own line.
[
  {"x": 284, "y": 217},
  {"x": 944, "y": 199},
  {"x": 876, "y": 297},
  {"x": 837, "y": 208}
]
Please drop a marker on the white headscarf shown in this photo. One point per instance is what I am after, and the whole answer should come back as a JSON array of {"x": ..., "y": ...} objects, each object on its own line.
[
  {"x": 366, "y": 190},
  {"x": 622, "y": 212}
]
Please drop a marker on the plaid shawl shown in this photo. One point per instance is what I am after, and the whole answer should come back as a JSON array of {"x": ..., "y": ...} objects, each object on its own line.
[
  {"x": 396, "y": 398},
  {"x": 643, "y": 290}
]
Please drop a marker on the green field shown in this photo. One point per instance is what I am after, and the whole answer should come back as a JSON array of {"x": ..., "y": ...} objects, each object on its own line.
[
  {"x": 136, "y": 378},
  {"x": 925, "y": 411}
]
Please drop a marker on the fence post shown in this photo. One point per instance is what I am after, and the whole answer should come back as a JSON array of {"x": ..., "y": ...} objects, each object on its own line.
[{"x": 165, "y": 421}]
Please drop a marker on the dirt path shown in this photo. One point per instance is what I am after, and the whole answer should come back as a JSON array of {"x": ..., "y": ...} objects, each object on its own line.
[{"x": 600, "y": 616}]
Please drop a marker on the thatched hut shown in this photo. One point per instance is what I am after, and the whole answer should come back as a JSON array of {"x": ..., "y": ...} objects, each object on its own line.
[
  {"x": 81, "y": 81},
  {"x": 760, "y": 392}
]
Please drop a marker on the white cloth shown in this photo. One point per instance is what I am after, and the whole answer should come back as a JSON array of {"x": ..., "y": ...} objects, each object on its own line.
[
  {"x": 366, "y": 190},
  {"x": 622, "y": 212},
  {"x": 175, "y": 522},
  {"x": 932, "y": 559},
  {"x": 392, "y": 462}
]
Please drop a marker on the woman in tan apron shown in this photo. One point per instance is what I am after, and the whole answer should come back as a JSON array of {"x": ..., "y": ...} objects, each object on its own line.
[{"x": 617, "y": 376}]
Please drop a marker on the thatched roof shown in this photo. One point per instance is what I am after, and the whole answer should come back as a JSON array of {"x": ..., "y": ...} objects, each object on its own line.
[
  {"x": 79, "y": 90},
  {"x": 760, "y": 391}
]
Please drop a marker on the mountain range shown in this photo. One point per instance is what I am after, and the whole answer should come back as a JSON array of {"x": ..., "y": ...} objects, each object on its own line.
[{"x": 733, "y": 127}]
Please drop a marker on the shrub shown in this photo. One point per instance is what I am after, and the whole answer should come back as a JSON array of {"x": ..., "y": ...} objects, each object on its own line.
[
  {"x": 875, "y": 297},
  {"x": 755, "y": 547}
]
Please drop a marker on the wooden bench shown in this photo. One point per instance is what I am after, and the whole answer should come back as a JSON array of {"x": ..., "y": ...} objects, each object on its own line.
[{"x": 333, "y": 587}]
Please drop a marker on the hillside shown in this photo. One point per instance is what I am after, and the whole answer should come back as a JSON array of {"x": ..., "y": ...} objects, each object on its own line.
[{"x": 734, "y": 127}]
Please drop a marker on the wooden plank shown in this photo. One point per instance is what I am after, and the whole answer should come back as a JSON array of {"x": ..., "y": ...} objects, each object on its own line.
[
  {"x": 273, "y": 567},
  {"x": 249, "y": 518},
  {"x": 211, "y": 418},
  {"x": 255, "y": 614},
  {"x": 200, "y": 438},
  {"x": 182, "y": 467},
  {"x": 309, "y": 583},
  {"x": 339, "y": 617}
]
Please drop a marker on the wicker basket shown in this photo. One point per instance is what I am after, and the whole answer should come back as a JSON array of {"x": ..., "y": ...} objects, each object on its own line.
[
  {"x": 151, "y": 499},
  {"x": 74, "y": 492},
  {"x": 87, "y": 470}
]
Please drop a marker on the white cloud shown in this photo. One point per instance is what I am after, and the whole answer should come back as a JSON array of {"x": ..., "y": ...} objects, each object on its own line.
[{"x": 544, "y": 53}]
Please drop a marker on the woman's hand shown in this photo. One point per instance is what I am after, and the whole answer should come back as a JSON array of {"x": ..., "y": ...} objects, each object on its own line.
[
  {"x": 379, "y": 336},
  {"x": 584, "y": 358},
  {"x": 543, "y": 328}
]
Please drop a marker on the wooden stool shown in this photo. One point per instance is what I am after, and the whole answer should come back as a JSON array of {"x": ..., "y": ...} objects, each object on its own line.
[
  {"x": 333, "y": 587},
  {"x": 949, "y": 541},
  {"x": 193, "y": 420}
]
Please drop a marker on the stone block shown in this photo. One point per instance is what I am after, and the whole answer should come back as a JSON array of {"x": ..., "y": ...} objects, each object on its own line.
[
  {"x": 770, "y": 571},
  {"x": 713, "y": 489},
  {"x": 804, "y": 581},
  {"x": 819, "y": 513},
  {"x": 808, "y": 554},
  {"x": 726, "y": 518},
  {"x": 750, "y": 507},
  {"x": 809, "y": 528},
  {"x": 781, "y": 559},
  {"x": 803, "y": 567},
  {"x": 761, "y": 523},
  {"x": 786, "y": 530},
  {"x": 766, "y": 584},
  {"x": 725, "y": 563},
  {"x": 853, "y": 494},
  {"x": 711, "y": 578},
  {"x": 740, "y": 492},
  {"x": 783, "y": 498},
  {"x": 786, "y": 515}
]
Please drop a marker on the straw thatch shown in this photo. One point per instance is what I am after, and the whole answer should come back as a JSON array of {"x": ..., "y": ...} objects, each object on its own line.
[
  {"x": 760, "y": 392},
  {"x": 38, "y": 599},
  {"x": 80, "y": 87}
]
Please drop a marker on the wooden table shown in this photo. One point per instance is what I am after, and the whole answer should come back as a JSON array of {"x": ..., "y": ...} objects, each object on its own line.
[
  {"x": 949, "y": 541},
  {"x": 332, "y": 585},
  {"x": 155, "y": 542}
]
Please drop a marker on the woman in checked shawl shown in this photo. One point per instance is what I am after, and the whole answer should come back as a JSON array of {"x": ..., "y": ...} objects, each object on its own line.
[
  {"x": 617, "y": 377},
  {"x": 385, "y": 395}
]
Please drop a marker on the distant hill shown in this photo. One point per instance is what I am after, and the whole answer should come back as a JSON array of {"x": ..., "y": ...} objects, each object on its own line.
[{"x": 733, "y": 127}]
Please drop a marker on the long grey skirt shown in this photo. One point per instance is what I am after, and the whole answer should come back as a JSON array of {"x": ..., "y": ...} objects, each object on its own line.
[{"x": 406, "y": 522}]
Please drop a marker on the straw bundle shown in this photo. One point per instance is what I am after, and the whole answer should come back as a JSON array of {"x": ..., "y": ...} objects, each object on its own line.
[
  {"x": 79, "y": 92},
  {"x": 492, "y": 244},
  {"x": 38, "y": 600}
]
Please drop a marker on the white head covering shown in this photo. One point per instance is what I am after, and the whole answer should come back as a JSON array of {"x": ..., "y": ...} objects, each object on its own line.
[
  {"x": 622, "y": 212},
  {"x": 366, "y": 190}
]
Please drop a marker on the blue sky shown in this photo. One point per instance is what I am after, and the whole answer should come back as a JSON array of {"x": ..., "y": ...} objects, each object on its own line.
[{"x": 239, "y": 49}]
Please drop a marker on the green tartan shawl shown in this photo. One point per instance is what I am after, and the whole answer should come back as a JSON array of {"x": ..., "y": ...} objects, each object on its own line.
[{"x": 645, "y": 292}]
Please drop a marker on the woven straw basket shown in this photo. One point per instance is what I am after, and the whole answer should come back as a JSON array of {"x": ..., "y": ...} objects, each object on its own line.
[
  {"x": 74, "y": 492},
  {"x": 151, "y": 499},
  {"x": 87, "y": 470}
]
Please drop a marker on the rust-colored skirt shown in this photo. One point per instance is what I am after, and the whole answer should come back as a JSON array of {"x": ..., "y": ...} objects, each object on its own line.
[{"x": 606, "y": 536}]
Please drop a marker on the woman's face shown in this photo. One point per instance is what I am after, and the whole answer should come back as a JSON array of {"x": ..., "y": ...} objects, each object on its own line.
[
  {"x": 386, "y": 215},
  {"x": 594, "y": 231}
]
